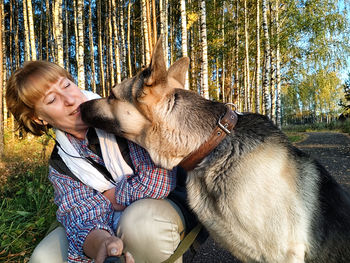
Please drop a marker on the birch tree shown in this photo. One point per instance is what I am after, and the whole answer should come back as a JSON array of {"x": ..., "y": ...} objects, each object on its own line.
[
  {"x": 246, "y": 63},
  {"x": 80, "y": 22},
  {"x": 272, "y": 64},
  {"x": 278, "y": 66},
  {"x": 205, "y": 85},
  {"x": 265, "y": 85},
  {"x": 122, "y": 39},
  {"x": 184, "y": 36},
  {"x": 31, "y": 29},
  {"x": 145, "y": 29},
  {"x": 58, "y": 29},
  {"x": 26, "y": 32},
  {"x": 129, "y": 42},
  {"x": 236, "y": 85},
  {"x": 92, "y": 51},
  {"x": 163, "y": 6},
  {"x": 100, "y": 51},
  {"x": 257, "y": 59}
]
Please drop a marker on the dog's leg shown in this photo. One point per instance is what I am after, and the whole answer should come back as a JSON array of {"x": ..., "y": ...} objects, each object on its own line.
[{"x": 296, "y": 254}]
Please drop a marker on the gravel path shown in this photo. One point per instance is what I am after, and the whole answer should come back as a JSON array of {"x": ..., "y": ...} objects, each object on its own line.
[{"x": 332, "y": 150}]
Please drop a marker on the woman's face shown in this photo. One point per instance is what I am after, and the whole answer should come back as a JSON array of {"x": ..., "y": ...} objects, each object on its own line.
[{"x": 59, "y": 107}]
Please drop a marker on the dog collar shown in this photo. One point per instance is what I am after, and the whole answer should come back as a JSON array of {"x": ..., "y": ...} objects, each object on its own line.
[{"x": 224, "y": 126}]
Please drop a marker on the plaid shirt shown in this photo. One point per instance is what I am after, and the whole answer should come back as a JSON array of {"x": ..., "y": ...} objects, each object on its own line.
[{"x": 82, "y": 209}]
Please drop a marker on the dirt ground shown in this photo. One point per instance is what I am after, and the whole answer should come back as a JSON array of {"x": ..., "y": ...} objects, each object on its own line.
[{"x": 332, "y": 150}]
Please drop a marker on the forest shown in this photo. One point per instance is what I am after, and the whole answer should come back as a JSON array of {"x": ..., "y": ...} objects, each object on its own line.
[{"x": 280, "y": 58}]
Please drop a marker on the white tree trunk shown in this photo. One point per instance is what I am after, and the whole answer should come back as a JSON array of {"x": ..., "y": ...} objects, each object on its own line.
[
  {"x": 80, "y": 22},
  {"x": 116, "y": 46},
  {"x": 128, "y": 44},
  {"x": 26, "y": 32},
  {"x": 58, "y": 32},
  {"x": 31, "y": 29},
  {"x": 92, "y": 51},
  {"x": 265, "y": 86},
  {"x": 247, "y": 67},
  {"x": 163, "y": 7},
  {"x": 205, "y": 85},
  {"x": 145, "y": 32},
  {"x": 257, "y": 69},
  {"x": 184, "y": 35},
  {"x": 278, "y": 69},
  {"x": 236, "y": 85},
  {"x": 273, "y": 67},
  {"x": 122, "y": 40}
]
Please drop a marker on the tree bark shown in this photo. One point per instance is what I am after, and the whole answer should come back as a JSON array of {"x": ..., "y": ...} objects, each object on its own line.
[
  {"x": 257, "y": 68},
  {"x": 145, "y": 32},
  {"x": 154, "y": 20},
  {"x": 265, "y": 86},
  {"x": 205, "y": 85},
  {"x": 80, "y": 22},
  {"x": 31, "y": 29},
  {"x": 67, "y": 36},
  {"x": 129, "y": 43},
  {"x": 92, "y": 51},
  {"x": 163, "y": 6},
  {"x": 236, "y": 85},
  {"x": 122, "y": 39},
  {"x": 247, "y": 101},
  {"x": 184, "y": 36},
  {"x": 26, "y": 32},
  {"x": 100, "y": 50},
  {"x": 58, "y": 28},
  {"x": 278, "y": 68},
  {"x": 272, "y": 65}
]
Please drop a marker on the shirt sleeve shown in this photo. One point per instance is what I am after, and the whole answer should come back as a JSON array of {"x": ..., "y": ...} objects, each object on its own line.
[
  {"x": 148, "y": 181},
  {"x": 81, "y": 209}
]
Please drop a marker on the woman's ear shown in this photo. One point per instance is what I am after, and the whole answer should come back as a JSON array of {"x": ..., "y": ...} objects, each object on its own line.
[{"x": 40, "y": 121}]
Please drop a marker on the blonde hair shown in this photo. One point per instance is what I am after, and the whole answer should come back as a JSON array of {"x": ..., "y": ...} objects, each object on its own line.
[{"x": 26, "y": 86}]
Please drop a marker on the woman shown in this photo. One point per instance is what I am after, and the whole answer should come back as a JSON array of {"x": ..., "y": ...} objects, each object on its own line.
[{"x": 90, "y": 199}]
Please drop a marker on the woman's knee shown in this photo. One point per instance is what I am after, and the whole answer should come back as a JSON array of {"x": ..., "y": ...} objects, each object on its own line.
[
  {"x": 53, "y": 248},
  {"x": 151, "y": 229}
]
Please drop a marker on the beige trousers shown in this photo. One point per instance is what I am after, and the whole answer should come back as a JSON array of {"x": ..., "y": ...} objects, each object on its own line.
[{"x": 150, "y": 229}]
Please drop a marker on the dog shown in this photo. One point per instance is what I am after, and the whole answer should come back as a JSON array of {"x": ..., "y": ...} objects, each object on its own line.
[{"x": 257, "y": 195}]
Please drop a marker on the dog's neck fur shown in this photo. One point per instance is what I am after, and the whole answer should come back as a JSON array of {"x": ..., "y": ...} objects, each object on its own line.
[
  {"x": 197, "y": 118},
  {"x": 225, "y": 125}
]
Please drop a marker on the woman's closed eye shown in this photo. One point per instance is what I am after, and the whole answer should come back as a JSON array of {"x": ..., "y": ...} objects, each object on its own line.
[
  {"x": 51, "y": 100},
  {"x": 67, "y": 85}
]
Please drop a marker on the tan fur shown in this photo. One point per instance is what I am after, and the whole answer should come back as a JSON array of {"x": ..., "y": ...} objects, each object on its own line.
[{"x": 256, "y": 194}]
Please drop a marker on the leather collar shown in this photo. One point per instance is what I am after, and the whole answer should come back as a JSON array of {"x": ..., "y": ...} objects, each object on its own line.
[{"x": 224, "y": 126}]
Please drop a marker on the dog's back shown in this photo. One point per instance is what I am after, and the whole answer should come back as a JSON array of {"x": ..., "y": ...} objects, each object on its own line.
[{"x": 256, "y": 184}]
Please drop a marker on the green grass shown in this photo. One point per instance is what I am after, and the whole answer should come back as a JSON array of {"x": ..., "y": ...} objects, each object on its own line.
[
  {"x": 26, "y": 207},
  {"x": 336, "y": 126}
]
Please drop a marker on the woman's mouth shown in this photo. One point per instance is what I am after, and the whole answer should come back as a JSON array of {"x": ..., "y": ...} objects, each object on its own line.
[{"x": 76, "y": 111}]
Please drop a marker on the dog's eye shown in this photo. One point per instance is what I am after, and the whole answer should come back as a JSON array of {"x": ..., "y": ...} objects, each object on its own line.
[{"x": 111, "y": 97}]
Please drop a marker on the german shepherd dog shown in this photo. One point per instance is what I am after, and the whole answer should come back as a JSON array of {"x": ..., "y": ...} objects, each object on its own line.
[{"x": 256, "y": 194}]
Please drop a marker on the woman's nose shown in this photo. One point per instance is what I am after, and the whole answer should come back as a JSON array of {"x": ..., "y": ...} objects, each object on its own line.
[{"x": 69, "y": 99}]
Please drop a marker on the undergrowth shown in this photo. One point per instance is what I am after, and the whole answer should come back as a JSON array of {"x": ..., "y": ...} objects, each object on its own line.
[{"x": 26, "y": 207}]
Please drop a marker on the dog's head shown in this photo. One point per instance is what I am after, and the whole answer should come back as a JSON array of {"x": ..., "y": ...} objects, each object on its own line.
[{"x": 153, "y": 110}]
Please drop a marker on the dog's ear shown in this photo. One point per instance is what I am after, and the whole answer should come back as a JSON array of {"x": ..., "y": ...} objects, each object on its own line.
[
  {"x": 157, "y": 65},
  {"x": 179, "y": 70}
]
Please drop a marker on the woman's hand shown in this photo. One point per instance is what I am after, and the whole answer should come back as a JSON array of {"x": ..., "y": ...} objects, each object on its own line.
[
  {"x": 99, "y": 244},
  {"x": 110, "y": 195}
]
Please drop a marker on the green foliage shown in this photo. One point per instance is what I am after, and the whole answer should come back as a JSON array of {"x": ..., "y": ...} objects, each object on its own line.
[
  {"x": 26, "y": 208},
  {"x": 332, "y": 126}
]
